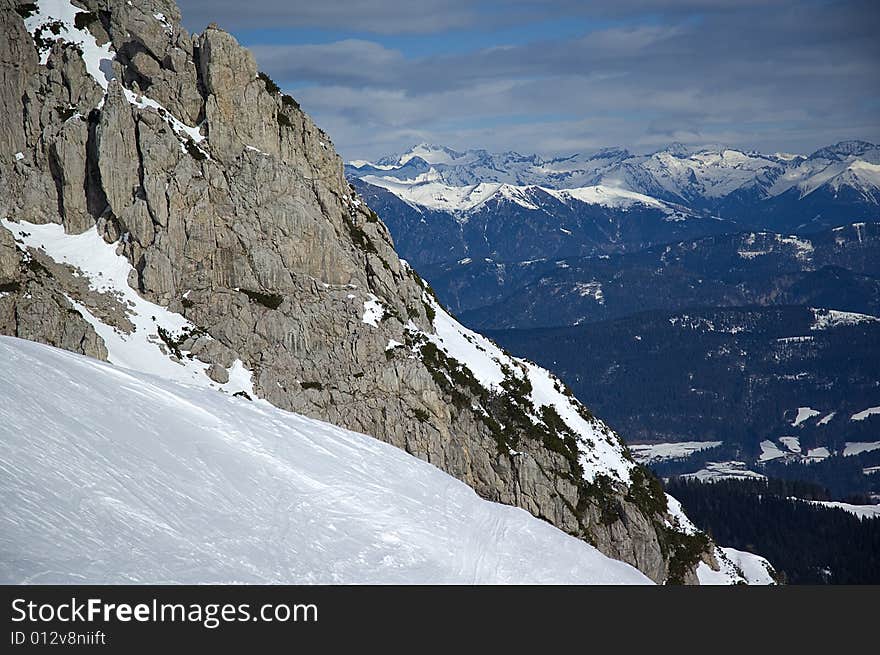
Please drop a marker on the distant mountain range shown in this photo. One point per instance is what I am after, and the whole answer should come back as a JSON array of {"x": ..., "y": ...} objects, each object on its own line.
[
  {"x": 508, "y": 206},
  {"x": 691, "y": 296},
  {"x": 702, "y": 177},
  {"x": 838, "y": 268}
]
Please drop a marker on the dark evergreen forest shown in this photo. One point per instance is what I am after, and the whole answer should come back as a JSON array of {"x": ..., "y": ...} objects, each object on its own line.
[{"x": 806, "y": 543}]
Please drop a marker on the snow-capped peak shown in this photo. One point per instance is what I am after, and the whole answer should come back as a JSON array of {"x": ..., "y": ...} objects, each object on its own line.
[
  {"x": 430, "y": 154},
  {"x": 843, "y": 150},
  {"x": 676, "y": 173},
  {"x": 675, "y": 148},
  {"x": 427, "y": 190}
]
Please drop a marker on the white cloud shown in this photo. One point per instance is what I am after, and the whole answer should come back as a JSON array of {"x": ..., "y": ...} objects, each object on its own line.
[{"x": 781, "y": 76}]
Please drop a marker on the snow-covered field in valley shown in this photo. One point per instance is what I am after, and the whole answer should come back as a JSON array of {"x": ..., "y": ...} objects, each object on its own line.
[
  {"x": 655, "y": 452},
  {"x": 861, "y": 511},
  {"x": 113, "y": 476},
  {"x": 732, "y": 470}
]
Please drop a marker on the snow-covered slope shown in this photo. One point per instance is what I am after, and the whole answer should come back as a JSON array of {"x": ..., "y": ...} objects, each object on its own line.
[
  {"x": 657, "y": 452},
  {"x": 115, "y": 476},
  {"x": 861, "y": 511},
  {"x": 600, "y": 451},
  {"x": 685, "y": 175},
  {"x": 734, "y": 566},
  {"x": 854, "y": 164},
  {"x": 427, "y": 191}
]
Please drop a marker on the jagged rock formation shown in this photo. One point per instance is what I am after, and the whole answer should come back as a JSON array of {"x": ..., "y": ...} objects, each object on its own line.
[{"x": 233, "y": 210}]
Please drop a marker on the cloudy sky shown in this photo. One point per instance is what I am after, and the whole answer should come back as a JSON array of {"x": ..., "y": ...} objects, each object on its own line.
[{"x": 560, "y": 76}]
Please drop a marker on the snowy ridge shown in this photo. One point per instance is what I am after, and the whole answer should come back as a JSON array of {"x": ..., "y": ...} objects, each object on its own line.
[
  {"x": 166, "y": 483},
  {"x": 601, "y": 452},
  {"x": 735, "y": 566},
  {"x": 709, "y": 174},
  {"x": 108, "y": 273},
  {"x": 430, "y": 154},
  {"x": 824, "y": 319},
  {"x": 608, "y": 196},
  {"x": 852, "y": 164},
  {"x": 426, "y": 190},
  {"x": 676, "y": 174}
]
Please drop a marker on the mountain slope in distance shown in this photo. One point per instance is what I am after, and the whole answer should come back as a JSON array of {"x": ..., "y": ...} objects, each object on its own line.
[{"x": 510, "y": 206}]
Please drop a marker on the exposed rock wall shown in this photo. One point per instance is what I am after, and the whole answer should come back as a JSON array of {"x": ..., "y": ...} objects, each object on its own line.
[{"x": 247, "y": 226}]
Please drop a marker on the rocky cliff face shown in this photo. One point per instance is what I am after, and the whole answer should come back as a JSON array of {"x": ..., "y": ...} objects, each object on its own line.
[{"x": 249, "y": 252}]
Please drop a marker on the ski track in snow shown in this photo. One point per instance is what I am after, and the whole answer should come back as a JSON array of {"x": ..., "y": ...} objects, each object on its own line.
[{"x": 111, "y": 476}]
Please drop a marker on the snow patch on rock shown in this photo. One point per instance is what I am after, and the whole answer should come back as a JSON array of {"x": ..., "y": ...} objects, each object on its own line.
[{"x": 107, "y": 272}]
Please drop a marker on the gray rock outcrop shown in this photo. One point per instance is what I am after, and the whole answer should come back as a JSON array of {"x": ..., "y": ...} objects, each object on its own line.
[{"x": 251, "y": 231}]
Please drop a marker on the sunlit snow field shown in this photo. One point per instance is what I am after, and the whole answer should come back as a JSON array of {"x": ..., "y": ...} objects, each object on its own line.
[{"x": 111, "y": 476}]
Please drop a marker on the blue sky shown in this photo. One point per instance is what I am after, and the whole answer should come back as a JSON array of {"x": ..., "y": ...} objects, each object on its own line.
[{"x": 560, "y": 76}]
